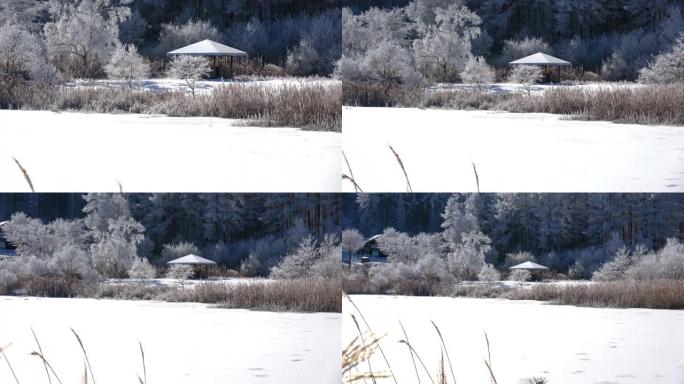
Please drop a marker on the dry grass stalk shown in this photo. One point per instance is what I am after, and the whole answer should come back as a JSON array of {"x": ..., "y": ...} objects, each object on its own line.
[
  {"x": 488, "y": 361},
  {"x": 40, "y": 350},
  {"x": 85, "y": 354},
  {"x": 363, "y": 342},
  {"x": 142, "y": 380},
  {"x": 477, "y": 177},
  {"x": 446, "y": 351},
  {"x": 26, "y": 175},
  {"x": 351, "y": 174},
  {"x": 441, "y": 374},
  {"x": 355, "y": 354},
  {"x": 420, "y": 360},
  {"x": 370, "y": 330},
  {"x": 403, "y": 169},
  {"x": 2, "y": 352},
  {"x": 413, "y": 359},
  {"x": 47, "y": 364},
  {"x": 351, "y": 179}
]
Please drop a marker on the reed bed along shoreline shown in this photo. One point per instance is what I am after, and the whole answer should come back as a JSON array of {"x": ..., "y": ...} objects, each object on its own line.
[
  {"x": 298, "y": 295},
  {"x": 651, "y": 104},
  {"x": 315, "y": 107}
]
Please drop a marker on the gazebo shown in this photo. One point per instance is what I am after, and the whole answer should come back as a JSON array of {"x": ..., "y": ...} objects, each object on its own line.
[
  {"x": 194, "y": 261},
  {"x": 547, "y": 62},
  {"x": 536, "y": 270},
  {"x": 216, "y": 51}
]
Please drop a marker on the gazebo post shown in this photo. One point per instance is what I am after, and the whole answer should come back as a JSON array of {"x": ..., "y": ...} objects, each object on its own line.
[{"x": 231, "y": 67}]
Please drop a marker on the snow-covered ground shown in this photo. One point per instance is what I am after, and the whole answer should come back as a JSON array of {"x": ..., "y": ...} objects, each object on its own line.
[
  {"x": 205, "y": 86},
  {"x": 564, "y": 344},
  {"x": 90, "y": 152},
  {"x": 183, "y": 343},
  {"x": 512, "y": 152},
  {"x": 535, "y": 89},
  {"x": 189, "y": 283}
]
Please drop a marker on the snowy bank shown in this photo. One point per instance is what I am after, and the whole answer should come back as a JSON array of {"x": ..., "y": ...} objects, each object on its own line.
[
  {"x": 527, "y": 152},
  {"x": 91, "y": 152},
  {"x": 204, "y": 86},
  {"x": 183, "y": 343}
]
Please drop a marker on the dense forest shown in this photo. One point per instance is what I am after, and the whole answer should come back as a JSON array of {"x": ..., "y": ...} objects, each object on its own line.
[
  {"x": 615, "y": 39},
  {"x": 579, "y": 231},
  {"x": 227, "y": 228},
  {"x": 49, "y": 39}
]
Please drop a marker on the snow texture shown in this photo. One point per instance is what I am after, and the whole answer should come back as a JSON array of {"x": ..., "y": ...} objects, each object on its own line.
[
  {"x": 512, "y": 152},
  {"x": 564, "y": 344},
  {"x": 184, "y": 343},
  {"x": 90, "y": 152}
]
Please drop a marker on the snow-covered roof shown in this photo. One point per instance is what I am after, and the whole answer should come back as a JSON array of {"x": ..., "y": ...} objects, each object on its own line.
[
  {"x": 3, "y": 223},
  {"x": 208, "y": 48},
  {"x": 529, "y": 265},
  {"x": 192, "y": 260},
  {"x": 540, "y": 59},
  {"x": 373, "y": 238}
]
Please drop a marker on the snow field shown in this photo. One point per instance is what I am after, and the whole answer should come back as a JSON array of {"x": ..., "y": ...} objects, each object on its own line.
[
  {"x": 564, "y": 344},
  {"x": 529, "y": 152},
  {"x": 184, "y": 343},
  {"x": 92, "y": 152}
]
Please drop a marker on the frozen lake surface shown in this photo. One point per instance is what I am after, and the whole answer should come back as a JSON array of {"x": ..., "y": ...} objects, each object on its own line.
[
  {"x": 90, "y": 152},
  {"x": 528, "y": 152},
  {"x": 564, "y": 344},
  {"x": 184, "y": 343}
]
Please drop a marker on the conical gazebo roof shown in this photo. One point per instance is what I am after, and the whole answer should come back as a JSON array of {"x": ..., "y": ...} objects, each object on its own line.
[
  {"x": 192, "y": 260},
  {"x": 529, "y": 265},
  {"x": 540, "y": 58},
  {"x": 208, "y": 48}
]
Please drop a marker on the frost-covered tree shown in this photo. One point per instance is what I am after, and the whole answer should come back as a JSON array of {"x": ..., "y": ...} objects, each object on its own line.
[
  {"x": 180, "y": 272},
  {"x": 666, "y": 263},
  {"x": 477, "y": 71},
  {"x": 142, "y": 269},
  {"x": 352, "y": 241},
  {"x": 115, "y": 250},
  {"x": 520, "y": 275},
  {"x": 174, "y": 251},
  {"x": 443, "y": 49},
  {"x": 468, "y": 258},
  {"x": 310, "y": 259},
  {"x": 83, "y": 35},
  {"x": 318, "y": 49},
  {"x": 516, "y": 258},
  {"x": 73, "y": 262},
  {"x": 516, "y": 49},
  {"x": 126, "y": 64},
  {"x": 457, "y": 221},
  {"x": 299, "y": 263},
  {"x": 253, "y": 266},
  {"x": 101, "y": 208},
  {"x": 489, "y": 274},
  {"x": 527, "y": 75},
  {"x": 174, "y": 36},
  {"x": 189, "y": 68},
  {"x": 616, "y": 269},
  {"x": 23, "y": 56},
  {"x": 667, "y": 67}
]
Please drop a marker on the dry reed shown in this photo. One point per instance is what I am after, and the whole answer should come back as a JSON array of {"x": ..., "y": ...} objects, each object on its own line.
[{"x": 25, "y": 174}]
